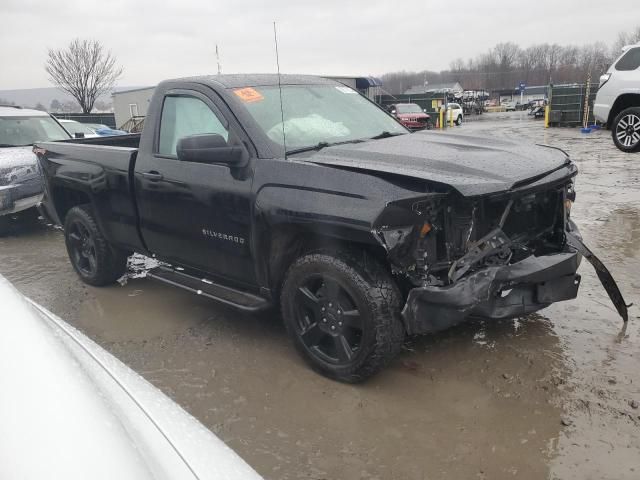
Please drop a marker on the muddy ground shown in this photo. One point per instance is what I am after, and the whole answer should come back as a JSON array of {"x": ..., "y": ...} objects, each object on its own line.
[{"x": 550, "y": 395}]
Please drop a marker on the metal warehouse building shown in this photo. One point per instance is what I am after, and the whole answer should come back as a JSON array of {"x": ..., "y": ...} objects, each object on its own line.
[{"x": 131, "y": 103}]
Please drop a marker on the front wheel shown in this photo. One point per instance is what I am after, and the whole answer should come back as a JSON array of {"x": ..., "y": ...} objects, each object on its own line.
[
  {"x": 96, "y": 262},
  {"x": 459, "y": 120},
  {"x": 343, "y": 314},
  {"x": 626, "y": 130}
]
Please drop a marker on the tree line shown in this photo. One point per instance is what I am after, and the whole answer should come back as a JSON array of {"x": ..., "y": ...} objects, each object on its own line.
[{"x": 507, "y": 64}]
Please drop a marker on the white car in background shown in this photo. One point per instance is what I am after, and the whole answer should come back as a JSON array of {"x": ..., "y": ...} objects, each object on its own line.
[
  {"x": 510, "y": 106},
  {"x": 454, "y": 111},
  {"x": 20, "y": 181},
  {"x": 617, "y": 102},
  {"x": 77, "y": 129},
  {"x": 70, "y": 410}
]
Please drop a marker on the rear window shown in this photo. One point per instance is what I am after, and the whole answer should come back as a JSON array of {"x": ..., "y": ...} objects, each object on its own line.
[{"x": 630, "y": 60}]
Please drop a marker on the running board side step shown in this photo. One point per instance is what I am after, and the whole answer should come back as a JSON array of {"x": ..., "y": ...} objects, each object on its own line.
[{"x": 244, "y": 301}]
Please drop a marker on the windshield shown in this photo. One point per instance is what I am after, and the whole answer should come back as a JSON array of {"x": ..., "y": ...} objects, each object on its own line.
[
  {"x": 77, "y": 127},
  {"x": 408, "y": 108},
  {"x": 315, "y": 114},
  {"x": 22, "y": 131}
]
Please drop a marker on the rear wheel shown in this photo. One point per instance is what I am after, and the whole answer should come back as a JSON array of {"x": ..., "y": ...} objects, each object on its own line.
[
  {"x": 626, "y": 130},
  {"x": 343, "y": 314},
  {"x": 96, "y": 262}
]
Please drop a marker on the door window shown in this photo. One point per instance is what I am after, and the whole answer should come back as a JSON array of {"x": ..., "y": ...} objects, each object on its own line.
[{"x": 183, "y": 116}]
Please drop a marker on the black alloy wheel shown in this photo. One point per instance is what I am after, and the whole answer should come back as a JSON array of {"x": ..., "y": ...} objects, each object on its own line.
[
  {"x": 82, "y": 248},
  {"x": 342, "y": 312},
  {"x": 95, "y": 260},
  {"x": 328, "y": 320}
]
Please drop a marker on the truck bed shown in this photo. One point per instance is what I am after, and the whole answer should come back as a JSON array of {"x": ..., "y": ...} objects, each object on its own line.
[
  {"x": 130, "y": 141},
  {"x": 101, "y": 170}
]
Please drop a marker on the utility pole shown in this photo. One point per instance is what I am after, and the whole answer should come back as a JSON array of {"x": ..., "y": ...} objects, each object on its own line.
[{"x": 218, "y": 60}]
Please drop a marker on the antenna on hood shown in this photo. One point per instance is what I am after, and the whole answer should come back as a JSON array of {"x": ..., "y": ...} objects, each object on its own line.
[{"x": 284, "y": 138}]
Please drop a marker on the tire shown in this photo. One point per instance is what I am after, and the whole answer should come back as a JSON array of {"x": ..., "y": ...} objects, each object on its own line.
[
  {"x": 459, "y": 120},
  {"x": 342, "y": 312},
  {"x": 94, "y": 260},
  {"x": 625, "y": 130}
]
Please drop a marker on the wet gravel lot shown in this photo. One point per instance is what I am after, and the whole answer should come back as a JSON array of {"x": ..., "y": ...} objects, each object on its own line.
[{"x": 552, "y": 395}]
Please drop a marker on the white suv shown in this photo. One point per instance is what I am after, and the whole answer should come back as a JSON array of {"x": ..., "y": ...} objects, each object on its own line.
[
  {"x": 20, "y": 182},
  {"x": 455, "y": 112},
  {"x": 618, "y": 100}
]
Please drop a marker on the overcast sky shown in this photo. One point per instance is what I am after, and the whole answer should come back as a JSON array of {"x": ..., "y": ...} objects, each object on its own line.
[{"x": 157, "y": 39}]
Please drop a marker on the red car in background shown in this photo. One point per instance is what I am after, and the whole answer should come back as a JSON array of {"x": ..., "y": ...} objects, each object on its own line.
[{"x": 411, "y": 116}]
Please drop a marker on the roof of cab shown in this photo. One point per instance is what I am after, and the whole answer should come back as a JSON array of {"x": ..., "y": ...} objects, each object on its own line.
[
  {"x": 256, "y": 80},
  {"x": 13, "y": 111}
]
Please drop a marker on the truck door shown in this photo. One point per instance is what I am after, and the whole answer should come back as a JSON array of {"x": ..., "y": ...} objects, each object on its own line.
[{"x": 195, "y": 214}]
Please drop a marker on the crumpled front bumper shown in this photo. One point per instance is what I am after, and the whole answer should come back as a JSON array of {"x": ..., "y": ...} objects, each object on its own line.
[{"x": 494, "y": 292}]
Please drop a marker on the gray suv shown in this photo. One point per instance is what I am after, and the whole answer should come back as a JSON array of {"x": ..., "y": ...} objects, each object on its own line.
[
  {"x": 20, "y": 182},
  {"x": 618, "y": 100}
]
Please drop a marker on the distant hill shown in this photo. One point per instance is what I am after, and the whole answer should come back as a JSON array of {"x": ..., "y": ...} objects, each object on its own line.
[{"x": 30, "y": 97}]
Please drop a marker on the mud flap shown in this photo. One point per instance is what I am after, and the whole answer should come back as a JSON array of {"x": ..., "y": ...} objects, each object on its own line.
[{"x": 605, "y": 277}]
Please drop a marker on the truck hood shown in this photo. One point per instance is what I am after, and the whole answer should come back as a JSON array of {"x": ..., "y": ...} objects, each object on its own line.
[
  {"x": 17, "y": 164},
  {"x": 471, "y": 165}
]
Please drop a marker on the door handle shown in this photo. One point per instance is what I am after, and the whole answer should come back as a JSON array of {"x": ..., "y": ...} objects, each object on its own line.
[{"x": 153, "y": 176}]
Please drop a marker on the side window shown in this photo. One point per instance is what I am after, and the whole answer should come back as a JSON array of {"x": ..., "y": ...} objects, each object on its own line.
[
  {"x": 630, "y": 60},
  {"x": 183, "y": 116}
]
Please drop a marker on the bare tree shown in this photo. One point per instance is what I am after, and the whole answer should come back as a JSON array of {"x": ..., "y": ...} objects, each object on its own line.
[
  {"x": 84, "y": 69},
  {"x": 625, "y": 38}
]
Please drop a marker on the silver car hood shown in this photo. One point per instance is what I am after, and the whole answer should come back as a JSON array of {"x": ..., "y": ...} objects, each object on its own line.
[
  {"x": 17, "y": 164},
  {"x": 69, "y": 409}
]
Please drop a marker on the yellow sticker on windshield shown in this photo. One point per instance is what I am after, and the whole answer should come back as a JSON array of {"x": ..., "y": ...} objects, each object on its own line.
[{"x": 248, "y": 94}]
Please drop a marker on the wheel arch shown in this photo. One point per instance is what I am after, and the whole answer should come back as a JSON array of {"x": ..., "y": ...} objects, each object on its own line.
[
  {"x": 65, "y": 198},
  {"x": 625, "y": 100},
  {"x": 289, "y": 242}
]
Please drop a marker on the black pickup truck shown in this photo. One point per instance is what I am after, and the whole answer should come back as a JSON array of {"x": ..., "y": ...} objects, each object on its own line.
[{"x": 313, "y": 198}]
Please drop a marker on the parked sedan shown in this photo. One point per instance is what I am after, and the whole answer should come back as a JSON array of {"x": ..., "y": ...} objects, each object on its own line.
[
  {"x": 104, "y": 130},
  {"x": 411, "y": 116},
  {"x": 70, "y": 410},
  {"x": 77, "y": 129}
]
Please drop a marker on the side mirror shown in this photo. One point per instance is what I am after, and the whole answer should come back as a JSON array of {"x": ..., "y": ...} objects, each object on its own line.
[
  {"x": 210, "y": 148},
  {"x": 78, "y": 135}
]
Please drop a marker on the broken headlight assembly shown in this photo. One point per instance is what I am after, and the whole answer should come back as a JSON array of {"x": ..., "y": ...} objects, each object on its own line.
[{"x": 569, "y": 198}]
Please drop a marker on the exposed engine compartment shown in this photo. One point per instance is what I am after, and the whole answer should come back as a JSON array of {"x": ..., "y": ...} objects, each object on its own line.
[{"x": 452, "y": 235}]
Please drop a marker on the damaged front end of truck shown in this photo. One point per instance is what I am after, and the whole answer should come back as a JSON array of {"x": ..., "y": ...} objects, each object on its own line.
[{"x": 501, "y": 255}]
